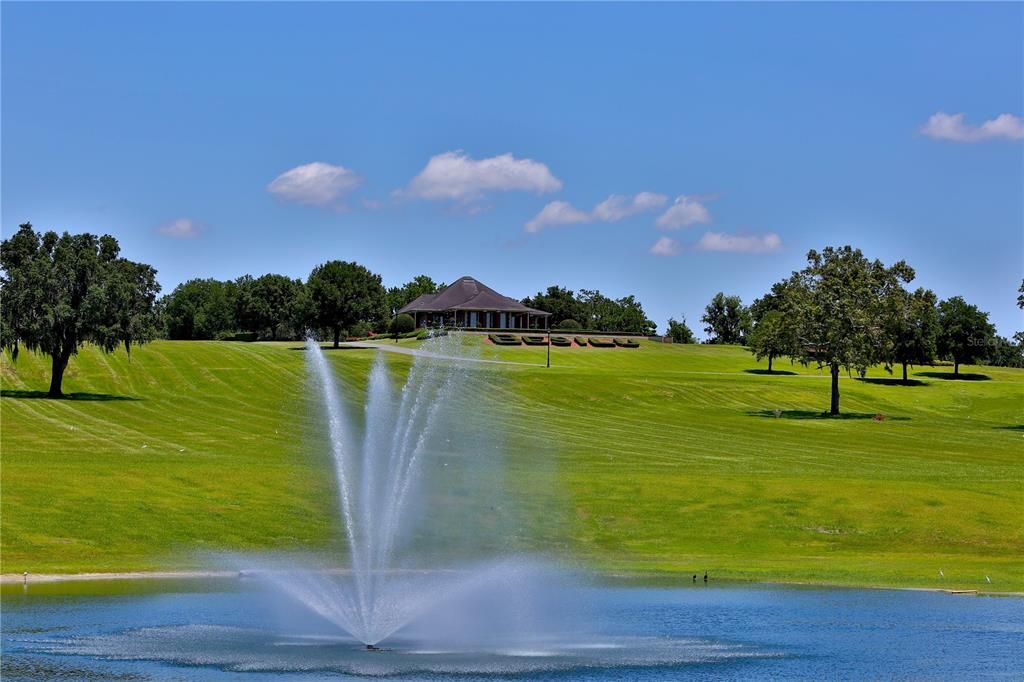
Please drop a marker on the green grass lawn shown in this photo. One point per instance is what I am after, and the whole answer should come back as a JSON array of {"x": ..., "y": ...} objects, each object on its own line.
[{"x": 662, "y": 459}]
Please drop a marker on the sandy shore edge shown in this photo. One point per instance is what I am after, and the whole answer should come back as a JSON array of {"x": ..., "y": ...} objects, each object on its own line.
[{"x": 37, "y": 578}]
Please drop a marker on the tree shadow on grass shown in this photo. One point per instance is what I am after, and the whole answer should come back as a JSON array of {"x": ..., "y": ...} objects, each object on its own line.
[
  {"x": 331, "y": 347},
  {"x": 949, "y": 376},
  {"x": 892, "y": 381},
  {"x": 812, "y": 414},
  {"x": 773, "y": 372},
  {"x": 18, "y": 394},
  {"x": 1013, "y": 427}
]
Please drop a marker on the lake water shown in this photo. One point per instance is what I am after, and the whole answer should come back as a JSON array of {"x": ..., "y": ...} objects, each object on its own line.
[{"x": 217, "y": 630}]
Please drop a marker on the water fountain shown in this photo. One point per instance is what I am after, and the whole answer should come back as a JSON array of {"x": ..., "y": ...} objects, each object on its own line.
[{"x": 378, "y": 476}]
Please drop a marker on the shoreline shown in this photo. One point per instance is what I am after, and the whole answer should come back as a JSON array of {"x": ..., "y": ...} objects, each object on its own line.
[{"x": 56, "y": 578}]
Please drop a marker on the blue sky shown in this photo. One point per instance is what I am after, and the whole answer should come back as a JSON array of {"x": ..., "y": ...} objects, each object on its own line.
[{"x": 667, "y": 151}]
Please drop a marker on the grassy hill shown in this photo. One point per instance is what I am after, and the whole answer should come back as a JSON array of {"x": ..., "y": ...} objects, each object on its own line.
[{"x": 663, "y": 459}]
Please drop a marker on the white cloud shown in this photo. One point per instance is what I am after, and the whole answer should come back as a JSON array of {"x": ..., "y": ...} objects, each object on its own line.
[
  {"x": 619, "y": 206},
  {"x": 943, "y": 126},
  {"x": 720, "y": 241},
  {"x": 666, "y": 246},
  {"x": 182, "y": 228},
  {"x": 614, "y": 208},
  {"x": 317, "y": 183},
  {"x": 683, "y": 212},
  {"x": 557, "y": 213},
  {"x": 455, "y": 176}
]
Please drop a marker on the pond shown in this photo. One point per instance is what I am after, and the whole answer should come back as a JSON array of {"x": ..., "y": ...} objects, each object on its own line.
[{"x": 227, "y": 630}]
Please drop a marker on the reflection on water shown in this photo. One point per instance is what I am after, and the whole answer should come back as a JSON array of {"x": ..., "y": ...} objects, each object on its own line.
[{"x": 211, "y": 632}]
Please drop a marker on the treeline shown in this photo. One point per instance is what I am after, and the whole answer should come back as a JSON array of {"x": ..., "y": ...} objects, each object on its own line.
[
  {"x": 842, "y": 311},
  {"x": 338, "y": 300},
  {"x": 845, "y": 312},
  {"x": 591, "y": 310}
]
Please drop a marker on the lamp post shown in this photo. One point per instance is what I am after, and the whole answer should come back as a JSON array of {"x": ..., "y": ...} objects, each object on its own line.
[{"x": 549, "y": 341}]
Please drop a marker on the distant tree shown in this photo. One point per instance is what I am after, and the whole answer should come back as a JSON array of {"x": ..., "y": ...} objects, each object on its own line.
[
  {"x": 560, "y": 302},
  {"x": 773, "y": 300},
  {"x": 344, "y": 293},
  {"x": 912, "y": 325},
  {"x": 61, "y": 291},
  {"x": 834, "y": 307},
  {"x": 1020, "y": 295},
  {"x": 399, "y": 297},
  {"x": 265, "y": 304},
  {"x": 568, "y": 324},
  {"x": 679, "y": 332},
  {"x": 629, "y": 316},
  {"x": 402, "y": 324},
  {"x": 201, "y": 309},
  {"x": 964, "y": 332},
  {"x": 1004, "y": 352},
  {"x": 726, "y": 319},
  {"x": 771, "y": 337}
]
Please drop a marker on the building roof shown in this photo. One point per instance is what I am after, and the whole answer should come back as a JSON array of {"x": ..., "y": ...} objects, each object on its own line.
[{"x": 467, "y": 293}]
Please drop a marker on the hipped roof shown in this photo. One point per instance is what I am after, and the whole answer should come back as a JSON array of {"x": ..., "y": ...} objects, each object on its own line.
[{"x": 467, "y": 293}]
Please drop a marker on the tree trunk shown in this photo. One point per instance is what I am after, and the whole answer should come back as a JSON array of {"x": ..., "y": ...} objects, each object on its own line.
[
  {"x": 956, "y": 368},
  {"x": 337, "y": 336},
  {"x": 904, "y": 372},
  {"x": 834, "y": 409},
  {"x": 57, "y": 367},
  {"x": 769, "y": 363}
]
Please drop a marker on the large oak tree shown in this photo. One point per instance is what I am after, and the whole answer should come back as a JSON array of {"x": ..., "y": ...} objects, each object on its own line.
[
  {"x": 342, "y": 294},
  {"x": 836, "y": 309},
  {"x": 60, "y": 291},
  {"x": 965, "y": 334}
]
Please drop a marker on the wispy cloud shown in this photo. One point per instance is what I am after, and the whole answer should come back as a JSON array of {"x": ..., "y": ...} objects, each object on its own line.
[
  {"x": 182, "y": 228},
  {"x": 721, "y": 241},
  {"x": 943, "y": 126},
  {"x": 614, "y": 208},
  {"x": 455, "y": 176},
  {"x": 619, "y": 206},
  {"x": 316, "y": 184},
  {"x": 557, "y": 213},
  {"x": 684, "y": 211},
  {"x": 666, "y": 246}
]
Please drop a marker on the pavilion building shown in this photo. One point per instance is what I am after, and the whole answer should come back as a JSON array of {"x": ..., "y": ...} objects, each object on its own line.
[{"x": 470, "y": 304}]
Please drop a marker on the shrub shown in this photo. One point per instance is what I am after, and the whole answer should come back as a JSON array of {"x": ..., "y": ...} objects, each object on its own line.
[
  {"x": 602, "y": 343},
  {"x": 423, "y": 334},
  {"x": 503, "y": 339},
  {"x": 580, "y": 340},
  {"x": 569, "y": 324},
  {"x": 626, "y": 343},
  {"x": 402, "y": 324},
  {"x": 535, "y": 340},
  {"x": 225, "y": 335},
  {"x": 561, "y": 341},
  {"x": 360, "y": 329},
  {"x": 247, "y": 336}
]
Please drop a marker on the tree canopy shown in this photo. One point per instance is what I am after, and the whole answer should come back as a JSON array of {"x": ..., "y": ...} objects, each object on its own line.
[
  {"x": 60, "y": 291},
  {"x": 726, "y": 319},
  {"x": 912, "y": 327},
  {"x": 593, "y": 310},
  {"x": 266, "y": 304},
  {"x": 399, "y": 297},
  {"x": 679, "y": 332},
  {"x": 200, "y": 309},
  {"x": 835, "y": 310},
  {"x": 345, "y": 293},
  {"x": 965, "y": 334}
]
